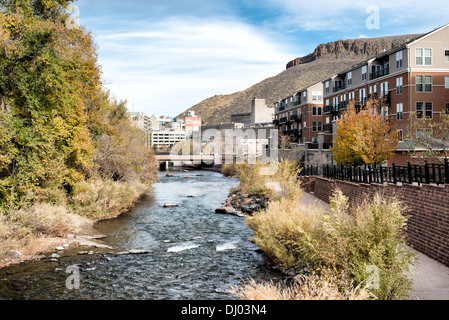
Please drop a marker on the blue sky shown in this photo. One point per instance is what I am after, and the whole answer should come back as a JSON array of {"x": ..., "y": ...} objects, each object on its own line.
[{"x": 163, "y": 57}]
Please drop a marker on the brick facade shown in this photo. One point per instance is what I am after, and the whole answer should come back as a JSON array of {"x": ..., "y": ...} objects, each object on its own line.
[{"x": 428, "y": 210}]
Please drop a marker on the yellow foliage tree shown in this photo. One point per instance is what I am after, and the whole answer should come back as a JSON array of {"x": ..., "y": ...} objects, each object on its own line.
[{"x": 364, "y": 135}]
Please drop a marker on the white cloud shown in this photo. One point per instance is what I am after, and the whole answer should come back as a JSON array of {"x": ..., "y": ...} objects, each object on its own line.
[{"x": 170, "y": 65}]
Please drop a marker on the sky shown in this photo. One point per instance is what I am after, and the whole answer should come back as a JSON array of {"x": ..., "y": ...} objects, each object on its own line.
[{"x": 165, "y": 56}]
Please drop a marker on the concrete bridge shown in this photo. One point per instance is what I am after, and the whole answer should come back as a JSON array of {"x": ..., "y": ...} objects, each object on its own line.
[{"x": 165, "y": 159}]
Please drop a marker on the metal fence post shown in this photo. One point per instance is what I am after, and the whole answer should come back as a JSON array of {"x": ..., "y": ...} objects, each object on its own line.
[
  {"x": 427, "y": 173},
  {"x": 446, "y": 170},
  {"x": 395, "y": 178},
  {"x": 410, "y": 178}
]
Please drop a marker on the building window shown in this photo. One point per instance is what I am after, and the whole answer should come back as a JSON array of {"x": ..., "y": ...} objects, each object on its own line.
[
  {"x": 398, "y": 59},
  {"x": 326, "y": 87},
  {"x": 446, "y": 55},
  {"x": 400, "y": 111},
  {"x": 314, "y": 111},
  {"x": 401, "y": 135},
  {"x": 320, "y": 126},
  {"x": 419, "y": 53},
  {"x": 447, "y": 108},
  {"x": 419, "y": 83},
  {"x": 349, "y": 78},
  {"x": 364, "y": 72},
  {"x": 446, "y": 82},
  {"x": 320, "y": 111},
  {"x": 428, "y": 84},
  {"x": 399, "y": 85},
  {"x": 429, "y": 110},
  {"x": 428, "y": 57},
  {"x": 314, "y": 96},
  {"x": 419, "y": 110},
  {"x": 314, "y": 126},
  {"x": 384, "y": 88}
]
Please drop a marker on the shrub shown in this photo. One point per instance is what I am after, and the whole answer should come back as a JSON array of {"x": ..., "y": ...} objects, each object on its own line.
[
  {"x": 105, "y": 198},
  {"x": 346, "y": 240},
  {"x": 228, "y": 170},
  {"x": 253, "y": 179}
]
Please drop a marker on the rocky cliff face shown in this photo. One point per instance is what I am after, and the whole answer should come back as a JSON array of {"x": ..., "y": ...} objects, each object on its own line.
[
  {"x": 357, "y": 47},
  {"x": 326, "y": 60}
]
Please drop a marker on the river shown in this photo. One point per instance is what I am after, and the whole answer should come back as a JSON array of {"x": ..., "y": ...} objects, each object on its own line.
[{"x": 194, "y": 253}]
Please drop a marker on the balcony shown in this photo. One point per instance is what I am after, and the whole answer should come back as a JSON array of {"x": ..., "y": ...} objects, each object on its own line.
[
  {"x": 283, "y": 120},
  {"x": 328, "y": 128},
  {"x": 299, "y": 119},
  {"x": 327, "y": 145},
  {"x": 385, "y": 71},
  {"x": 339, "y": 87},
  {"x": 330, "y": 109},
  {"x": 298, "y": 102},
  {"x": 282, "y": 107},
  {"x": 313, "y": 146},
  {"x": 293, "y": 118},
  {"x": 343, "y": 105},
  {"x": 276, "y": 122}
]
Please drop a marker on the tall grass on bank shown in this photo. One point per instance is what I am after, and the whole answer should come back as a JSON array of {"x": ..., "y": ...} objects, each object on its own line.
[
  {"x": 254, "y": 181},
  {"x": 325, "y": 286},
  {"x": 89, "y": 202},
  {"x": 343, "y": 240},
  {"x": 102, "y": 199}
]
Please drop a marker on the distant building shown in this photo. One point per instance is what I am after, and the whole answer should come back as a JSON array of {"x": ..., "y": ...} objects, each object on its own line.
[
  {"x": 260, "y": 115},
  {"x": 166, "y": 138}
]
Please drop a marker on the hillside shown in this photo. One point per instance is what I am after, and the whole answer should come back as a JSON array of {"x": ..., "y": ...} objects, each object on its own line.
[{"x": 326, "y": 60}]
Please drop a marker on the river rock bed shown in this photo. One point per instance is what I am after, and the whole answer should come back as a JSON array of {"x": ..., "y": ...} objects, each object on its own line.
[{"x": 240, "y": 204}]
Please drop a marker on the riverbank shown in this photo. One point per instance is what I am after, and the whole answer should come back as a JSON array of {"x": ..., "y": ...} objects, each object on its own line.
[{"x": 41, "y": 230}]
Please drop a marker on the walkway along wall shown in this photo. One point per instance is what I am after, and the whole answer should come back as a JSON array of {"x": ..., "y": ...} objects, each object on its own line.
[{"x": 428, "y": 209}]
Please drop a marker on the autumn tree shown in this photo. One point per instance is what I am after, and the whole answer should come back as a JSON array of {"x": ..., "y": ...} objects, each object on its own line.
[
  {"x": 54, "y": 111},
  {"x": 364, "y": 135}
]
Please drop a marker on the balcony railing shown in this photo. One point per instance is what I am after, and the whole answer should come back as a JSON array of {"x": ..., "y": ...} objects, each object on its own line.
[
  {"x": 339, "y": 87},
  {"x": 293, "y": 117},
  {"x": 276, "y": 122},
  {"x": 297, "y": 102},
  {"x": 328, "y": 127},
  {"x": 342, "y": 105},
  {"x": 331, "y": 109},
  {"x": 385, "y": 71},
  {"x": 313, "y": 146},
  {"x": 283, "y": 120},
  {"x": 327, "y": 145}
]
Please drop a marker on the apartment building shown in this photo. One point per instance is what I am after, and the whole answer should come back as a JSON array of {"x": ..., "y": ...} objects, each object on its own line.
[
  {"x": 414, "y": 79},
  {"x": 300, "y": 115}
]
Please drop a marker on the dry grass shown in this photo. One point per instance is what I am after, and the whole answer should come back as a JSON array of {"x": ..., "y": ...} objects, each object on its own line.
[
  {"x": 344, "y": 239},
  {"x": 312, "y": 287},
  {"x": 105, "y": 198}
]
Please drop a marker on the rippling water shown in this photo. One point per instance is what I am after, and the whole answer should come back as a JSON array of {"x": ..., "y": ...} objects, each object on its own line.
[{"x": 194, "y": 252}]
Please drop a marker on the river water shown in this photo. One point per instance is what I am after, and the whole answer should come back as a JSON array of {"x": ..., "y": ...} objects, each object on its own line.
[{"x": 194, "y": 252}]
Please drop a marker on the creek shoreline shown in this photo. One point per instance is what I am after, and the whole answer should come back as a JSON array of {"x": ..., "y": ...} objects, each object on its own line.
[{"x": 43, "y": 247}]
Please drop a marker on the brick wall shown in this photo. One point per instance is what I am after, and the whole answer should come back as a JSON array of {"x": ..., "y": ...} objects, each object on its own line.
[{"x": 428, "y": 208}]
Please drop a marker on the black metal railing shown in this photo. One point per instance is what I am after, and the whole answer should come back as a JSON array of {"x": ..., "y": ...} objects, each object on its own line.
[
  {"x": 328, "y": 128},
  {"x": 384, "y": 71},
  {"x": 410, "y": 174},
  {"x": 339, "y": 87},
  {"x": 283, "y": 120},
  {"x": 327, "y": 145}
]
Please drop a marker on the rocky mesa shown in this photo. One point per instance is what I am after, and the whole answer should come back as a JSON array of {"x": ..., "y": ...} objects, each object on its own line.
[{"x": 326, "y": 60}]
